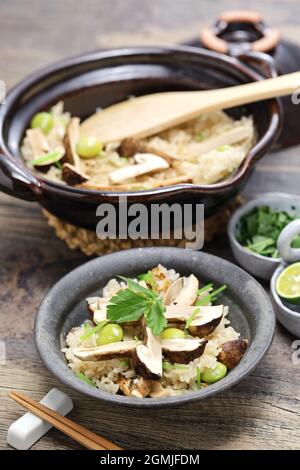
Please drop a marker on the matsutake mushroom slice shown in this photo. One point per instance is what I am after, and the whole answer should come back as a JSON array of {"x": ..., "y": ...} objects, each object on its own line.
[
  {"x": 232, "y": 352},
  {"x": 206, "y": 320},
  {"x": 189, "y": 292},
  {"x": 130, "y": 146},
  {"x": 183, "y": 351},
  {"x": 72, "y": 172},
  {"x": 145, "y": 163},
  {"x": 107, "y": 351},
  {"x": 73, "y": 176},
  {"x": 173, "y": 291},
  {"x": 147, "y": 358}
]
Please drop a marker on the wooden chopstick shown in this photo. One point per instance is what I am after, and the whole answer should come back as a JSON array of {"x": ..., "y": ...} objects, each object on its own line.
[{"x": 77, "y": 432}]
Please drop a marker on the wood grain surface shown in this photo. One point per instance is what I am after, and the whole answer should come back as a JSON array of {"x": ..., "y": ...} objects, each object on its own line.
[{"x": 261, "y": 412}]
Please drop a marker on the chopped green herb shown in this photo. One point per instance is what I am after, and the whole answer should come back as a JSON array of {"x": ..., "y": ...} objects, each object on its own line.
[
  {"x": 58, "y": 165},
  {"x": 191, "y": 318},
  {"x": 260, "y": 229},
  {"x": 85, "y": 379},
  {"x": 167, "y": 366},
  {"x": 200, "y": 137},
  {"x": 211, "y": 297},
  {"x": 223, "y": 148},
  {"x": 89, "y": 331},
  {"x": 136, "y": 338},
  {"x": 132, "y": 303},
  {"x": 205, "y": 288},
  {"x": 198, "y": 377}
]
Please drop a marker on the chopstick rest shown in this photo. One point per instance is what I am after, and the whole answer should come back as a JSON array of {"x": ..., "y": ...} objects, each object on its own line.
[{"x": 28, "y": 429}]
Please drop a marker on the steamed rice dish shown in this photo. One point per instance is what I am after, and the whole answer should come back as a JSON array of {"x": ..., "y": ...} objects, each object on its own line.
[
  {"x": 205, "y": 150},
  {"x": 158, "y": 335}
]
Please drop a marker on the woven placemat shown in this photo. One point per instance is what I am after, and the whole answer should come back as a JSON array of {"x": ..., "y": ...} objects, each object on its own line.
[{"x": 87, "y": 241}]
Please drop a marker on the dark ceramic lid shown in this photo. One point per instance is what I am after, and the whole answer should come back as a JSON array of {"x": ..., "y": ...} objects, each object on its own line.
[{"x": 245, "y": 34}]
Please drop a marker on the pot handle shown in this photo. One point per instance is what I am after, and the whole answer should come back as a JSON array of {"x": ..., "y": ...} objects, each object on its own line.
[
  {"x": 18, "y": 182},
  {"x": 237, "y": 31},
  {"x": 286, "y": 252}
]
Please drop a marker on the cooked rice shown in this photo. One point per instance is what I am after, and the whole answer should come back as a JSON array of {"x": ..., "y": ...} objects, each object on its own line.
[
  {"x": 105, "y": 374},
  {"x": 183, "y": 142}
]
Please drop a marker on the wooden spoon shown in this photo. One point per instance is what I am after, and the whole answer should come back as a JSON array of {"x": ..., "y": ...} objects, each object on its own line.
[{"x": 147, "y": 115}]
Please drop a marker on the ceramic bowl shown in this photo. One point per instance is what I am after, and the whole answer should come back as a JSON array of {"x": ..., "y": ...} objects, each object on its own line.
[
  {"x": 288, "y": 315},
  {"x": 258, "y": 265},
  {"x": 251, "y": 313}
]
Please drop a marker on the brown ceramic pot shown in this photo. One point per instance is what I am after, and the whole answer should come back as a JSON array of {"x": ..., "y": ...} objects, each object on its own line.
[{"x": 101, "y": 78}]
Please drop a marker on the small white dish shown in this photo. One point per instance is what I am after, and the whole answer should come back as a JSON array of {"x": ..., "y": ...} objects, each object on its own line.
[
  {"x": 286, "y": 314},
  {"x": 258, "y": 265}
]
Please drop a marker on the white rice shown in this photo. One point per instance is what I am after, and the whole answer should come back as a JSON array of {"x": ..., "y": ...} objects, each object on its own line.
[
  {"x": 177, "y": 380},
  {"x": 182, "y": 142}
]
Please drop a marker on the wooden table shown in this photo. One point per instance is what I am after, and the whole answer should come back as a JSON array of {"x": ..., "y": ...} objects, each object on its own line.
[{"x": 261, "y": 412}]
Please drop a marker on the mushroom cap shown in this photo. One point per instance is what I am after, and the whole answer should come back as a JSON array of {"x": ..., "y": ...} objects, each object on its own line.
[
  {"x": 232, "y": 352},
  {"x": 183, "y": 351}
]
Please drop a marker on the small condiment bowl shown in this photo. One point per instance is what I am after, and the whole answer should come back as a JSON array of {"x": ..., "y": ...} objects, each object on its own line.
[
  {"x": 287, "y": 314},
  {"x": 258, "y": 265}
]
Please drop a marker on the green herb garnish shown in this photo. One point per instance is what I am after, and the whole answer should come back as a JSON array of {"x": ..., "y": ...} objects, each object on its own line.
[
  {"x": 89, "y": 331},
  {"x": 205, "y": 288},
  {"x": 132, "y": 303},
  {"x": 191, "y": 318},
  {"x": 260, "y": 229},
  {"x": 211, "y": 297},
  {"x": 85, "y": 379},
  {"x": 198, "y": 377}
]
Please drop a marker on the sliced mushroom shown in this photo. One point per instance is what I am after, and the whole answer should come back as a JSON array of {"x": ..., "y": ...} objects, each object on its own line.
[
  {"x": 188, "y": 294},
  {"x": 107, "y": 351},
  {"x": 183, "y": 351},
  {"x": 232, "y": 352},
  {"x": 72, "y": 172},
  {"x": 173, "y": 291},
  {"x": 180, "y": 313},
  {"x": 204, "y": 325},
  {"x": 147, "y": 358},
  {"x": 130, "y": 146},
  {"x": 38, "y": 142},
  {"x": 133, "y": 388},
  {"x": 146, "y": 163},
  {"x": 73, "y": 176}
]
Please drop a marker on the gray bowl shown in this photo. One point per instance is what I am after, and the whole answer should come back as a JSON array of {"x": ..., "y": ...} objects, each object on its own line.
[
  {"x": 259, "y": 265},
  {"x": 251, "y": 313}
]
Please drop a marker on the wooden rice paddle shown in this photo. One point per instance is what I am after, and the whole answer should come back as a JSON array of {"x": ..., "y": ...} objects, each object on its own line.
[{"x": 147, "y": 115}]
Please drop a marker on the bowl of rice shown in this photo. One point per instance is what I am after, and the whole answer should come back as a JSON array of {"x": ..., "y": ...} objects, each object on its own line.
[{"x": 177, "y": 353}]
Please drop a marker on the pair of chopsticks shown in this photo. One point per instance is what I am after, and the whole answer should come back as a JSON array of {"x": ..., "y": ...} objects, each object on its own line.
[{"x": 87, "y": 438}]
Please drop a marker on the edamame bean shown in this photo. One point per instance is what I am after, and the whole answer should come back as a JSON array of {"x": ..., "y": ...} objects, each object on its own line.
[
  {"x": 88, "y": 147},
  {"x": 211, "y": 376},
  {"x": 43, "y": 121},
  {"x": 172, "y": 333},
  {"x": 110, "y": 333}
]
